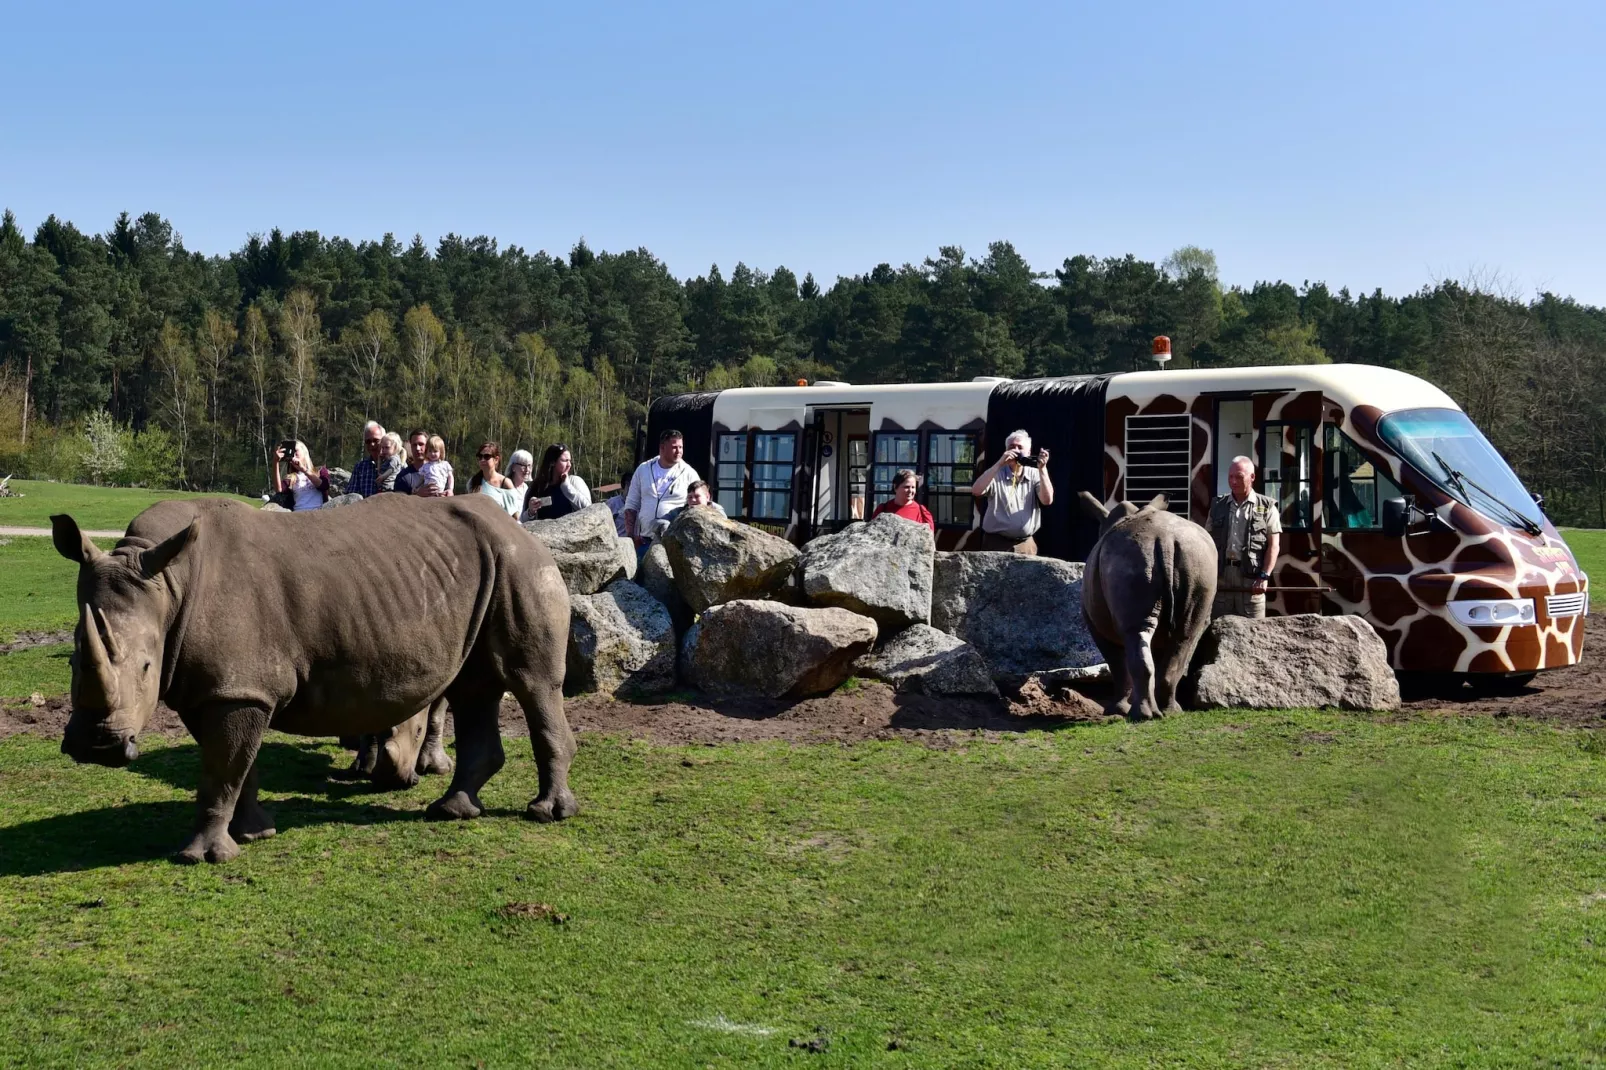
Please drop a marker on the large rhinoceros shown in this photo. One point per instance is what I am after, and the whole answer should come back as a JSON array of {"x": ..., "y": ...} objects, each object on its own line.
[
  {"x": 1146, "y": 596},
  {"x": 313, "y": 623}
]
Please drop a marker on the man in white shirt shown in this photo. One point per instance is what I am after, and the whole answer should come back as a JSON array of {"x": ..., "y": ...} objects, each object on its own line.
[{"x": 657, "y": 489}]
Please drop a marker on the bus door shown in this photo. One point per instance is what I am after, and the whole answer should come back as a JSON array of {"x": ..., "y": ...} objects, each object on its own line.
[
  {"x": 835, "y": 457},
  {"x": 1288, "y": 467},
  {"x": 1353, "y": 493}
]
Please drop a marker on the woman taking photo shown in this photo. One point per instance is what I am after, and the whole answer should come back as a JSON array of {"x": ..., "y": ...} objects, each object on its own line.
[
  {"x": 556, "y": 491},
  {"x": 306, "y": 488},
  {"x": 490, "y": 482},
  {"x": 903, "y": 503}
]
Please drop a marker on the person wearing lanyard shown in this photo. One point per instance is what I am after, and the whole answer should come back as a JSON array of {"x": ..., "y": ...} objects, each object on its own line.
[
  {"x": 1015, "y": 491},
  {"x": 657, "y": 488}
]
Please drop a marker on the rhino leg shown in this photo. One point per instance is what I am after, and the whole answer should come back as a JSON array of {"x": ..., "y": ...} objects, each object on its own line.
[
  {"x": 250, "y": 821},
  {"x": 554, "y": 749},
  {"x": 396, "y": 756},
  {"x": 432, "y": 757},
  {"x": 229, "y": 736},
  {"x": 1115, "y": 657},
  {"x": 479, "y": 756},
  {"x": 1140, "y": 672},
  {"x": 367, "y": 755}
]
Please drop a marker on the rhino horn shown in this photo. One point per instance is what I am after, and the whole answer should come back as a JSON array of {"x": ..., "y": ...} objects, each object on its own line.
[
  {"x": 97, "y": 683},
  {"x": 1157, "y": 504},
  {"x": 158, "y": 557},
  {"x": 112, "y": 647},
  {"x": 71, "y": 543}
]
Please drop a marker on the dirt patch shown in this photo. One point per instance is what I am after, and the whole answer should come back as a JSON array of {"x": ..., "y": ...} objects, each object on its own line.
[
  {"x": 1574, "y": 697},
  {"x": 27, "y": 640},
  {"x": 49, "y": 718},
  {"x": 871, "y": 711}
]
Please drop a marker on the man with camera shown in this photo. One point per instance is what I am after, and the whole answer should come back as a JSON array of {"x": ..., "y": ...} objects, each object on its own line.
[
  {"x": 1247, "y": 528},
  {"x": 1016, "y": 488}
]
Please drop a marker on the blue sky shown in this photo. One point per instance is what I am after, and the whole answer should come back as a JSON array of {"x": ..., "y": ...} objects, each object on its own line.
[{"x": 1368, "y": 145}]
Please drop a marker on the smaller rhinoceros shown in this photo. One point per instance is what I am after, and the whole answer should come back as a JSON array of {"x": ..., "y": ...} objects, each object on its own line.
[{"x": 1146, "y": 597}]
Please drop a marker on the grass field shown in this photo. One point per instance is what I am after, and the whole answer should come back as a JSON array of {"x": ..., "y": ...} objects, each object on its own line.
[
  {"x": 1214, "y": 890},
  {"x": 95, "y": 508},
  {"x": 36, "y": 595},
  {"x": 1218, "y": 889}
]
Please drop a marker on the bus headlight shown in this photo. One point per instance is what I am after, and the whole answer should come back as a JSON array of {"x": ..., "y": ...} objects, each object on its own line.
[{"x": 1493, "y": 612}]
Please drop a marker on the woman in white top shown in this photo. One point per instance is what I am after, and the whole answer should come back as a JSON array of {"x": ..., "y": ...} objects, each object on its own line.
[
  {"x": 556, "y": 490},
  {"x": 520, "y": 467},
  {"x": 308, "y": 487},
  {"x": 490, "y": 482}
]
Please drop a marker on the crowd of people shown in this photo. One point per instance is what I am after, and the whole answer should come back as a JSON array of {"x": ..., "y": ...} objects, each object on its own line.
[
  {"x": 418, "y": 465},
  {"x": 1013, "y": 490}
]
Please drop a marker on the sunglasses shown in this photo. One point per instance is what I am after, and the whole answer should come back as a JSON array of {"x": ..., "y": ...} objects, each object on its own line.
[{"x": 488, "y": 456}]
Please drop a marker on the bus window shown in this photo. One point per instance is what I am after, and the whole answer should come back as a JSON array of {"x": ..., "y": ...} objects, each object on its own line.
[
  {"x": 1285, "y": 471},
  {"x": 950, "y": 470},
  {"x": 893, "y": 450},
  {"x": 1355, "y": 490}
]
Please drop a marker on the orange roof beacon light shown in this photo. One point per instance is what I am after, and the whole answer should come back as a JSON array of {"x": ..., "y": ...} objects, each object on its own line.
[
  {"x": 1160, "y": 351},
  {"x": 802, "y": 382}
]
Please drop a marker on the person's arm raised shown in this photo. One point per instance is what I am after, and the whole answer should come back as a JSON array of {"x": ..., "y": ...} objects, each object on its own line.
[{"x": 1045, "y": 485}]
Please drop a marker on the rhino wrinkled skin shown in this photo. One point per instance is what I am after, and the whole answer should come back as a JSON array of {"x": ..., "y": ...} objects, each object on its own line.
[
  {"x": 1146, "y": 597},
  {"x": 309, "y": 623}
]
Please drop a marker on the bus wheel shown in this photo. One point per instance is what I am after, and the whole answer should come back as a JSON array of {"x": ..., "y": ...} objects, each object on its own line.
[
  {"x": 1490, "y": 684},
  {"x": 1415, "y": 686}
]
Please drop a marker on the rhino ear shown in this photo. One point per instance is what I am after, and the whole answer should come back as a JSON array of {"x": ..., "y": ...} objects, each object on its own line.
[
  {"x": 1092, "y": 506},
  {"x": 1157, "y": 504},
  {"x": 71, "y": 543},
  {"x": 158, "y": 557}
]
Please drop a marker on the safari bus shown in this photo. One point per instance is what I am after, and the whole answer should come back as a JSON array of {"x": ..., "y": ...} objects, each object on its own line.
[{"x": 1395, "y": 507}]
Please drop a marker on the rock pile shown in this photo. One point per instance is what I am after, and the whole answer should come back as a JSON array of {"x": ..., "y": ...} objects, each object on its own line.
[
  {"x": 881, "y": 569},
  {"x": 621, "y": 641},
  {"x": 921, "y": 658},
  {"x": 715, "y": 560},
  {"x": 1022, "y": 614},
  {"x": 1297, "y": 661},
  {"x": 585, "y": 546},
  {"x": 749, "y": 647}
]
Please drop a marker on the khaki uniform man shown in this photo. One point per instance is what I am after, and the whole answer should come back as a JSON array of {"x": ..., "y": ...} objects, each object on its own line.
[{"x": 1247, "y": 528}]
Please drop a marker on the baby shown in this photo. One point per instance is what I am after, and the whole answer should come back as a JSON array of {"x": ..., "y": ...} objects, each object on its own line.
[
  {"x": 391, "y": 449},
  {"x": 437, "y": 470}
]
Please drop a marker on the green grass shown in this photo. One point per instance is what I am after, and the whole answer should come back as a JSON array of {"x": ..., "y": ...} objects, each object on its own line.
[
  {"x": 42, "y": 670},
  {"x": 37, "y": 585},
  {"x": 1589, "y": 547},
  {"x": 95, "y": 508},
  {"x": 1214, "y": 890}
]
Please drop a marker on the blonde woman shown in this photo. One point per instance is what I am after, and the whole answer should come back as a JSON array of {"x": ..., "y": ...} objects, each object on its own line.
[{"x": 306, "y": 487}]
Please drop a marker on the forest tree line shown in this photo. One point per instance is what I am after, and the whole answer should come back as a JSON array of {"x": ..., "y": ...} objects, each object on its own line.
[{"x": 126, "y": 357}]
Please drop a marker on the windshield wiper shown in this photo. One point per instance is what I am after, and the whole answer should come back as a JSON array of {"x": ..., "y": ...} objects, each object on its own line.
[{"x": 1460, "y": 482}]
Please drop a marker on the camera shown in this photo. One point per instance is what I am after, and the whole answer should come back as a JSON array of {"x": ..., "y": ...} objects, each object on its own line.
[
  {"x": 289, "y": 448},
  {"x": 1025, "y": 461}
]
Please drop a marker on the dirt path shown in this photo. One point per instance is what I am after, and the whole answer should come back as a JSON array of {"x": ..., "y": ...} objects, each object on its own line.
[
  {"x": 7, "y": 532},
  {"x": 1573, "y": 697}
]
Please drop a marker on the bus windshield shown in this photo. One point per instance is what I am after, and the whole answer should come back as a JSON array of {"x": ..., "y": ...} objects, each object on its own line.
[{"x": 1444, "y": 445}]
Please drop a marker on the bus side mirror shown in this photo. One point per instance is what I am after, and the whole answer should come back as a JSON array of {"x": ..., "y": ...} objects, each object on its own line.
[
  {"x": 1396, "y": 517},
  {"x": 1401, "y": 514}
]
